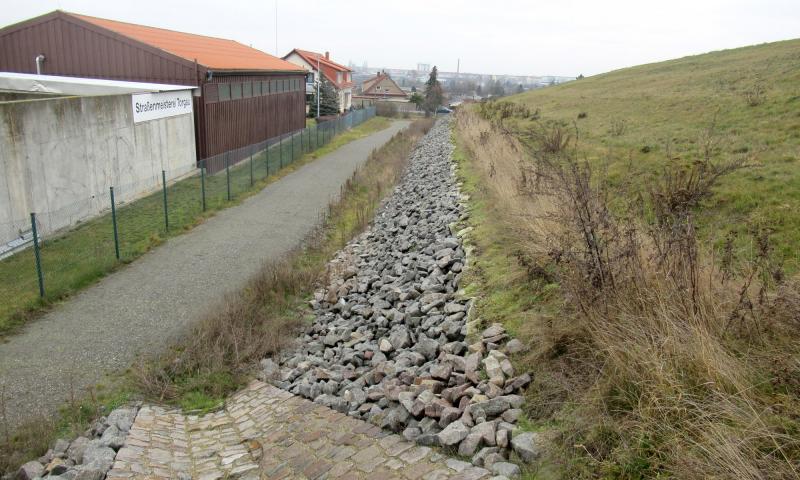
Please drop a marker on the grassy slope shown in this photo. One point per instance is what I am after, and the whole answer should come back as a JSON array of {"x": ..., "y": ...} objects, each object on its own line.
[
  {"x": 674, "y": 102},
  {"x": 85, "y": 254},
  {"x": 671, "y": 101}
]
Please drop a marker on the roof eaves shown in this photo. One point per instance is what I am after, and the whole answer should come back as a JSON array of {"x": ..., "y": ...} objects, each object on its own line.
[{"x": 241, "y": 71}]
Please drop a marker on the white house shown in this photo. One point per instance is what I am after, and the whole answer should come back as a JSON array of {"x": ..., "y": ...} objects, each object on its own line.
[{"x": 339, "y": 75}]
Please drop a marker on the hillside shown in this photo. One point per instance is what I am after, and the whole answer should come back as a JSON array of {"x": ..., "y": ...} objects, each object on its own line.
[
  {"x": 637, "y": 232},
  {"x": 633, "y": 114}
]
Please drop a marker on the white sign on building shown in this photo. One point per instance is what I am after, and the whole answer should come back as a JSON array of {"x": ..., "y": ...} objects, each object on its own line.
[{"x": 150, "y": 106}]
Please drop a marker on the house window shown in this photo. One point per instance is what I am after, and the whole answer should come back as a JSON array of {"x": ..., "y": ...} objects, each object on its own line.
[
  {"x": 265, "y": 87},
  {"x": 338, "y": 77},
  {"x": 236, "y": 91},
  {"x": 247, "y": 89},
  {"x": 273, "y": 88},
  {"x": 224, "y": 90}
]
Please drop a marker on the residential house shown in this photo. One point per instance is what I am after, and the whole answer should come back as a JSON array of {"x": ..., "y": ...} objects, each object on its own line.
[
  {"x": 338, "y": 75},
  {"x": 381, "y": 87}
]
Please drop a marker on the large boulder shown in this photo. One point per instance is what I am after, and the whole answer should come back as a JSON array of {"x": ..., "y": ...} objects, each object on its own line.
[
  {"x": 453, "y": 433},
  {"x": 528, "y": 445},
  {"x": 122, "y": 418},
  {"x": 30, "y": 470},
  {"x": 76, "y": 449},
  {"x": 97, "y": 456}
]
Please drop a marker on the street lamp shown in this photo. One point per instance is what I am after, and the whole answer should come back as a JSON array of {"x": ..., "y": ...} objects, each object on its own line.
[{"x": 319, "y": 72}]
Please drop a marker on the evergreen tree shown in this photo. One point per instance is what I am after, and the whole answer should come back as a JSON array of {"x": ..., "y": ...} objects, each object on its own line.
[
  {"x": 433, "y": 92},
  {"x": 329, "y": 100},
  {"x": 417, "y": 99}
]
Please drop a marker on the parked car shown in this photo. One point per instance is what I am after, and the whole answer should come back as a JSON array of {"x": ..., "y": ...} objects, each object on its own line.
[{"x": 443, "y": 110}]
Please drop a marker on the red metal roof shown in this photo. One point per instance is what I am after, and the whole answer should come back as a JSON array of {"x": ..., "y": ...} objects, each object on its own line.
[
  {"x": 212, "y": 52},
  {"x": 329, "y": 67}
]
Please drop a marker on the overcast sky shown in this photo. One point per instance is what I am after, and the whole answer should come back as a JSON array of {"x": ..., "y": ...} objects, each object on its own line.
[{"x": 546, "y": 37}]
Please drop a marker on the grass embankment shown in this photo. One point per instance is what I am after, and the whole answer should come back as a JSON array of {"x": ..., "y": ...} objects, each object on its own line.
[
  {"x": 655, "y": 352},
  {"x": 634, "y": 121},
  {"x": 85, "y": 254},
  {"x": 221, "y": 353}
]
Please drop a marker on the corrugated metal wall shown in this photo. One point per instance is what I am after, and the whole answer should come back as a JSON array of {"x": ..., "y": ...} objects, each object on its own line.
[
  {"x": 234, "y": 123},
  {"x": 72, "y": 49}
]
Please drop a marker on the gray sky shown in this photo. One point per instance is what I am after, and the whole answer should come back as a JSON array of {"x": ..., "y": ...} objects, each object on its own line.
[{"x": 551, "y": 37}]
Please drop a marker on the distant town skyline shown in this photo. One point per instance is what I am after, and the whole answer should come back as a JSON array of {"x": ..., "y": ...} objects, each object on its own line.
[{"x": 565, "y": 38}]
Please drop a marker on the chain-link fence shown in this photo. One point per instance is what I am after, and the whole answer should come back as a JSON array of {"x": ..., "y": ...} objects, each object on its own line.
[{"x": 134, "y": 217}]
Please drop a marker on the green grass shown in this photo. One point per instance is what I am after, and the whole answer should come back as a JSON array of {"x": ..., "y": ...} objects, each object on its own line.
[
  {"x": 83, "y": 255},
  {"x": 502, "y": 291},
  {"x": 673, "y": 103}
]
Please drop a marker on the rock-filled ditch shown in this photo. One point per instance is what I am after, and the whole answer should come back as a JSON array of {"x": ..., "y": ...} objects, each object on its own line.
[{"x": 392, "y": 341}]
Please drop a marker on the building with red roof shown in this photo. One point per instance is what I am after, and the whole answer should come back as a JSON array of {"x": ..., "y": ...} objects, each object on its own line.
[
  {"x": 382, "y": 87},
  {"x": 243, "y": 96},
  {"x": 338, "y": 75}
]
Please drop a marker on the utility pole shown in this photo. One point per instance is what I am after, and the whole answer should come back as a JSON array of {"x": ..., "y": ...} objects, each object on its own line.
[
  {"x": 319, "y": 79},
  {"x": 276, "y": 28}
]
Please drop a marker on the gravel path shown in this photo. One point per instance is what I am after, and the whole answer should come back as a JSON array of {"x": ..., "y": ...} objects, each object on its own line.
[{"x": 146, "y": 306}]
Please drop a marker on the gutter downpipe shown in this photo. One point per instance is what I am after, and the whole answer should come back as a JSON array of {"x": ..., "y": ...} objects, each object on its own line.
[{"x": 39, "y": 61}]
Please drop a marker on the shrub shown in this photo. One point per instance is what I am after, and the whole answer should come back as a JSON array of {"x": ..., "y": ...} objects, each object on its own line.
[{"x": 755, "y": 95}]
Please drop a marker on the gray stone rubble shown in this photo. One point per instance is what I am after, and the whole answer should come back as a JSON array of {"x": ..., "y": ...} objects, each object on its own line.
[
  {"x": 88, "y": 457},
  {"x": 389, "y": 341}
]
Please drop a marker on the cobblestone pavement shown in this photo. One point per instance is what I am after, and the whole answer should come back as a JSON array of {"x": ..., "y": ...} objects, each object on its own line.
[{"x": 264, "y": 432}]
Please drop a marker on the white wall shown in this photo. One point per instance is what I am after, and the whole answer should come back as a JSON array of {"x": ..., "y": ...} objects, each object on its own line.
[{"x": 58, "y": 158}]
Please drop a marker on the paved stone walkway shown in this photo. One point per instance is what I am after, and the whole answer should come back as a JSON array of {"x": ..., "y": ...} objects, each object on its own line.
[{"x": 268, "y": 433}]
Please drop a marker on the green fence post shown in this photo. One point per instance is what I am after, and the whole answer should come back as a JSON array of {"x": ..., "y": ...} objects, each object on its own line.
[
  {"x": 292, "y": 150},
  {"x": 166, "y": 213},
  {"x": 251, "y": 169},
  {"x": 266, "y": 154},
  {"x": 203, "y": 185},
  {"x": 37, "y": 254},
  {"x": 114, "y": 222},
  {"x": 228, "y": 176},
  {"x": 280, "y": 152}
]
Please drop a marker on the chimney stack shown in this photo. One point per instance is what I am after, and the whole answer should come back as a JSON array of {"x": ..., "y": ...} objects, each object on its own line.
[{"x": 327, "y": 55}]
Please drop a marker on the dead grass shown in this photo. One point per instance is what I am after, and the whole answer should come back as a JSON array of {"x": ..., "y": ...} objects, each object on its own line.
[
  {"x": 265, "y": 317},
  {"x": 651, "y": 360}
]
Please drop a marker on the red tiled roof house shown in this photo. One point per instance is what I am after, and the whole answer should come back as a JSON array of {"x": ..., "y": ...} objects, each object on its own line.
[
  {"x": 382, "y": 87},
  {"x": 339, "y": 75}
]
